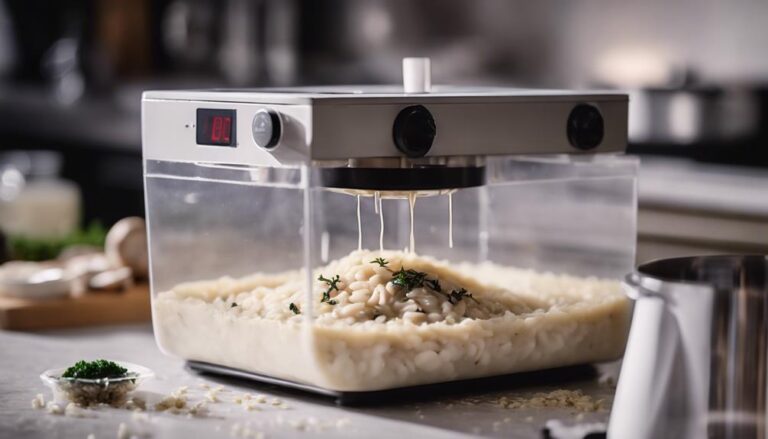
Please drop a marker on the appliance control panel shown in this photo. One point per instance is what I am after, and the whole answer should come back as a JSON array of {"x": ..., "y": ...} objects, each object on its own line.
[{"x": 270, "y": 127}]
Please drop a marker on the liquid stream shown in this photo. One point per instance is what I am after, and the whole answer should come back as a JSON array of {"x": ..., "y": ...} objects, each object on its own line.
[{"x": 378, "y": 208}]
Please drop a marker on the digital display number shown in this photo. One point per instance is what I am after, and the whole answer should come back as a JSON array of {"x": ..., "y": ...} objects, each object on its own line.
[{"x": 215, "y": 127}]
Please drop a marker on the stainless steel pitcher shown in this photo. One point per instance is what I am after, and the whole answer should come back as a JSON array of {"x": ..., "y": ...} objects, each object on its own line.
[{"x": 695, "y": 364}]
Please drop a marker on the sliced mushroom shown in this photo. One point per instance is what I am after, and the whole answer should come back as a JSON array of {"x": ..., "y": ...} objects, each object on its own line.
[{"x": 119, "y": 278}]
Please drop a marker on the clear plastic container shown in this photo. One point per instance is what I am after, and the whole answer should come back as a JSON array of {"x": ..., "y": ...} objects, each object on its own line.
[{"x": 546, "y": 240}]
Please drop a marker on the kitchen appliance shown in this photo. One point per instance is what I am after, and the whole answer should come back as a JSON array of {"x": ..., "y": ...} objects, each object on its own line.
[
  {"x": 270, "y": 180},
  {"x": 695, "y": 364}
]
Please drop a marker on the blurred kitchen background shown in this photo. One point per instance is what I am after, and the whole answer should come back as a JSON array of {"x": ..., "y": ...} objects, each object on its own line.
[{"x": 72, "y": 72}]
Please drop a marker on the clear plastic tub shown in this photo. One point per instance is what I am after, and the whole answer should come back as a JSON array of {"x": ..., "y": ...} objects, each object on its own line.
[{"x": 236, "y": 253}]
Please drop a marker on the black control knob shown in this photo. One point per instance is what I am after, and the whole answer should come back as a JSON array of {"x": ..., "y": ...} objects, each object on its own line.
[
  {"x": 414, "y": 131},
  {"x": 585, "y": 127},
  {"x": 266, "y": 129}
]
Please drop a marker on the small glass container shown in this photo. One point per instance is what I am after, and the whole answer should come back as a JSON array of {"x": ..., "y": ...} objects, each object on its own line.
[{"x": 86, "y": 392}]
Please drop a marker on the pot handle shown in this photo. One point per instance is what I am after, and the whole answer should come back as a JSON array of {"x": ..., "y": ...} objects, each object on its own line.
[{"x": 646, "y": 371}]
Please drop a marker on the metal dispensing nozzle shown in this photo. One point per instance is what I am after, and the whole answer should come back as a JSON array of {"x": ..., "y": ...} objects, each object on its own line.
[
  {"x": 397, "y": 178},
  {"x": 413, "y": 133}
]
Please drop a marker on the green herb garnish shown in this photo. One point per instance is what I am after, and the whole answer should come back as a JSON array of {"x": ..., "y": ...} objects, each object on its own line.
[
  {"x": 457, "y": 295},
  {"x": 234, "y": 304},
  {"x": 381, "y": 262},
  {"x": 332, "y": 285},
  {"x": 95, "y": 370},
  {"x": 409, "y": 279},
  {"x": 295, "y": 309}
]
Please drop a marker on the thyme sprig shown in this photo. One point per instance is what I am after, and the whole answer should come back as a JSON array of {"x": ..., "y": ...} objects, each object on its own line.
[
  {"x": 333, "y": 284},
  {"x": 381, "y": 262},
  {"x": 409, "y": 279}
]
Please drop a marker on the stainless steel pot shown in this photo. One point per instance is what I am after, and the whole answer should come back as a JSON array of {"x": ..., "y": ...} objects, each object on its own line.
[{"x": 695, "y": 364}]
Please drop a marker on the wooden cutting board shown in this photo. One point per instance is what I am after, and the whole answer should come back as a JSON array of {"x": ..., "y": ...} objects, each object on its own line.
[{"x": 90, "y": 309}]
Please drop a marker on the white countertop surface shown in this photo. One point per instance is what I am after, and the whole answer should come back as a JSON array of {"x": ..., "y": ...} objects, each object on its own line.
[{"x": 26, "y": 355}]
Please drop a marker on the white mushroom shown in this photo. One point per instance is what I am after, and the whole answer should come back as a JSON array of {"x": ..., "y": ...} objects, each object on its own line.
[{"x": 126, "y": 245}]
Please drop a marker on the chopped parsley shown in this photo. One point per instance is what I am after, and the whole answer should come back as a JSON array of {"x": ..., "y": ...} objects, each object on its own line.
[
  {"x": 333, "y": 284},
  {"x": 295, "y": 309},
  {"x": 381, "y": 262},
  {"x": 95, "y": 370}
]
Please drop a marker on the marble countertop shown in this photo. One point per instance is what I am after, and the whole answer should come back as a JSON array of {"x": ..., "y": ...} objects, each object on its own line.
[{"x": 26, "y": 355}]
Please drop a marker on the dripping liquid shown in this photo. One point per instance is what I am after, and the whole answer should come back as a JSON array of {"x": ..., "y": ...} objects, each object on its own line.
[
  {"x": 378, "y": 207},
  {"x": 359, "y": 227},
  {"x": 450, "y": 220},
  {"x": 380, "y": 210},
  {"x": 411, "y": 204}
]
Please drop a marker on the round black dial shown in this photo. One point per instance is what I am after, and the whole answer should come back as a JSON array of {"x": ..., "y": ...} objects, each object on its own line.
[
  {"x": 585, "y": 127},
  {"x": 266, "y": 129},
  {"x": 414, "y": 131}
]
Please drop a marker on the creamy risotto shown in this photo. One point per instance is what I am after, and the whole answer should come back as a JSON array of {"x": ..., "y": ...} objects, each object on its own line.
[{"x": 391, "y": 319}]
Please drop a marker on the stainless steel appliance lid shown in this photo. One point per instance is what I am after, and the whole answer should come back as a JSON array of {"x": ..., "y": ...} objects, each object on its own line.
[
  {"x": 283, "y": 126},
  {"x": 387, "y": 93}
]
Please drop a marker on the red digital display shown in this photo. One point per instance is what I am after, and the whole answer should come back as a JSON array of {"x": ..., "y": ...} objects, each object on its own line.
[{"x": 215, "y": 127}]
